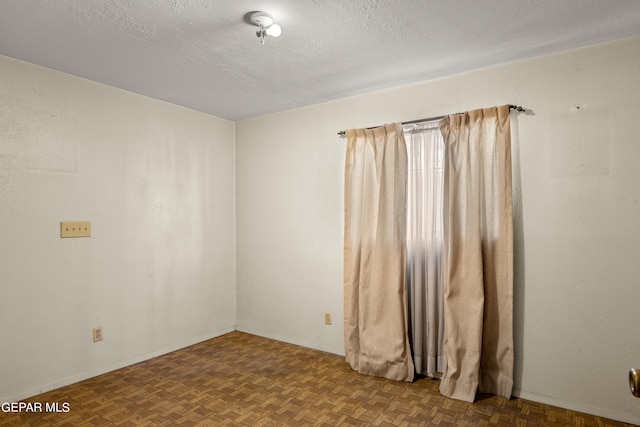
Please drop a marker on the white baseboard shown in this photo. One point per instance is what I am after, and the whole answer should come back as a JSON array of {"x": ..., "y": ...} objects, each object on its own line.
[
  {"x": 587, "y": 409},
  {"x": 292, "y": 341},
  {"x": 105, "y": 369},
  {"x": 548, "y": 400}
]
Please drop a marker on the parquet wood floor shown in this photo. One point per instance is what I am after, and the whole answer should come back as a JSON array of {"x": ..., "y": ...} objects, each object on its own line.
[{"x": 240, "y": 379}]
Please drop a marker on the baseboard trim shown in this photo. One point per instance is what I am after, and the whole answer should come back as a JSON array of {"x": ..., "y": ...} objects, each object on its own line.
[
  {"x": 110, "y": 368},
  {"x": 291, "y": 341},
  {"x": 548, "y": 400},
  {"x": 587, "y": 409}
]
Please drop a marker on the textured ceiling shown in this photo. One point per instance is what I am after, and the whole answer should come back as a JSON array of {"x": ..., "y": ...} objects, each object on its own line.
[{"x": 202, "y": 54}]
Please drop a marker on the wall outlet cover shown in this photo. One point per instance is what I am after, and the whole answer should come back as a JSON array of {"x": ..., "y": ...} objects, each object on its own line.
[{"x": 327, "y": 318}]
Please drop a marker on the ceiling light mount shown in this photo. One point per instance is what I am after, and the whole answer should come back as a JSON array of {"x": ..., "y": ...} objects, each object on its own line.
[{"x": 267, "y": 27}]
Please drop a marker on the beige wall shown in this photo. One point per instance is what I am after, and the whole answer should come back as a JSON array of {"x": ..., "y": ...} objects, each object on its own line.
[
  {"x": 157, "y": 183},
  {"x": 577, "y": 208}
]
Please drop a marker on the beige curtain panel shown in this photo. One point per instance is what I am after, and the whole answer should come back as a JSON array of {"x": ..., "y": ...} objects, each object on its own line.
[
  {"x": 376, "y": 340},
  {"x": 478, "y": 254}
]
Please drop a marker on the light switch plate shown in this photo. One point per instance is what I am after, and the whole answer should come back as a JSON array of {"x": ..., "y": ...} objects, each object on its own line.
[{"x": 75, "y": 229}]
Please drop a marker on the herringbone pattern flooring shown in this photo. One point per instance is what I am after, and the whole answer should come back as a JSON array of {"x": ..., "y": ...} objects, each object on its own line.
[{"x": 240, "y": 379}]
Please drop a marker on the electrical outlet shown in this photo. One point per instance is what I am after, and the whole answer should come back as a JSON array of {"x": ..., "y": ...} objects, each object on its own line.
[
  {"x": 327, "y": 318},
  {"x": 97, "y": 334}
]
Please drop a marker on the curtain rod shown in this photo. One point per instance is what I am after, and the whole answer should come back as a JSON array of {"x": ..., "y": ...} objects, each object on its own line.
[{"x": 511, "y": 107}]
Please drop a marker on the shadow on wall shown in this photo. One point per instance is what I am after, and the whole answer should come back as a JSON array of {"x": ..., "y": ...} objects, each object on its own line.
[{"x": 518, "y": 256}]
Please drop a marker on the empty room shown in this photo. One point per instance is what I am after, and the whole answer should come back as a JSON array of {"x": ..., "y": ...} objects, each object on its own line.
[{"x": 302, "y": 212}]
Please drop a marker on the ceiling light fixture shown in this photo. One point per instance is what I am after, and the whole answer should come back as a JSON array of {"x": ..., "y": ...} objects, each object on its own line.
[{"x": 267, "y": 27}]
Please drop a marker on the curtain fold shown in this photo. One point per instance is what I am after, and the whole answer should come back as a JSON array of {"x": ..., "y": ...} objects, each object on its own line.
[
  {"x": 375, "y": 312},
  {"x": 425, "y": 148},
  {"x": 478, "y": 261}
]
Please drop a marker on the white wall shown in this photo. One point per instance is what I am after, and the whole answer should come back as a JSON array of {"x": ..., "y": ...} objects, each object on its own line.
[
  {"x": 577, "y": 217},
  {"x": 157, "y": 183}
]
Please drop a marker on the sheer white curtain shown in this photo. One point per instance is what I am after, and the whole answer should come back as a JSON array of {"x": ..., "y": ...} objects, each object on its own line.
[{"x": 425, "y": 186}]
